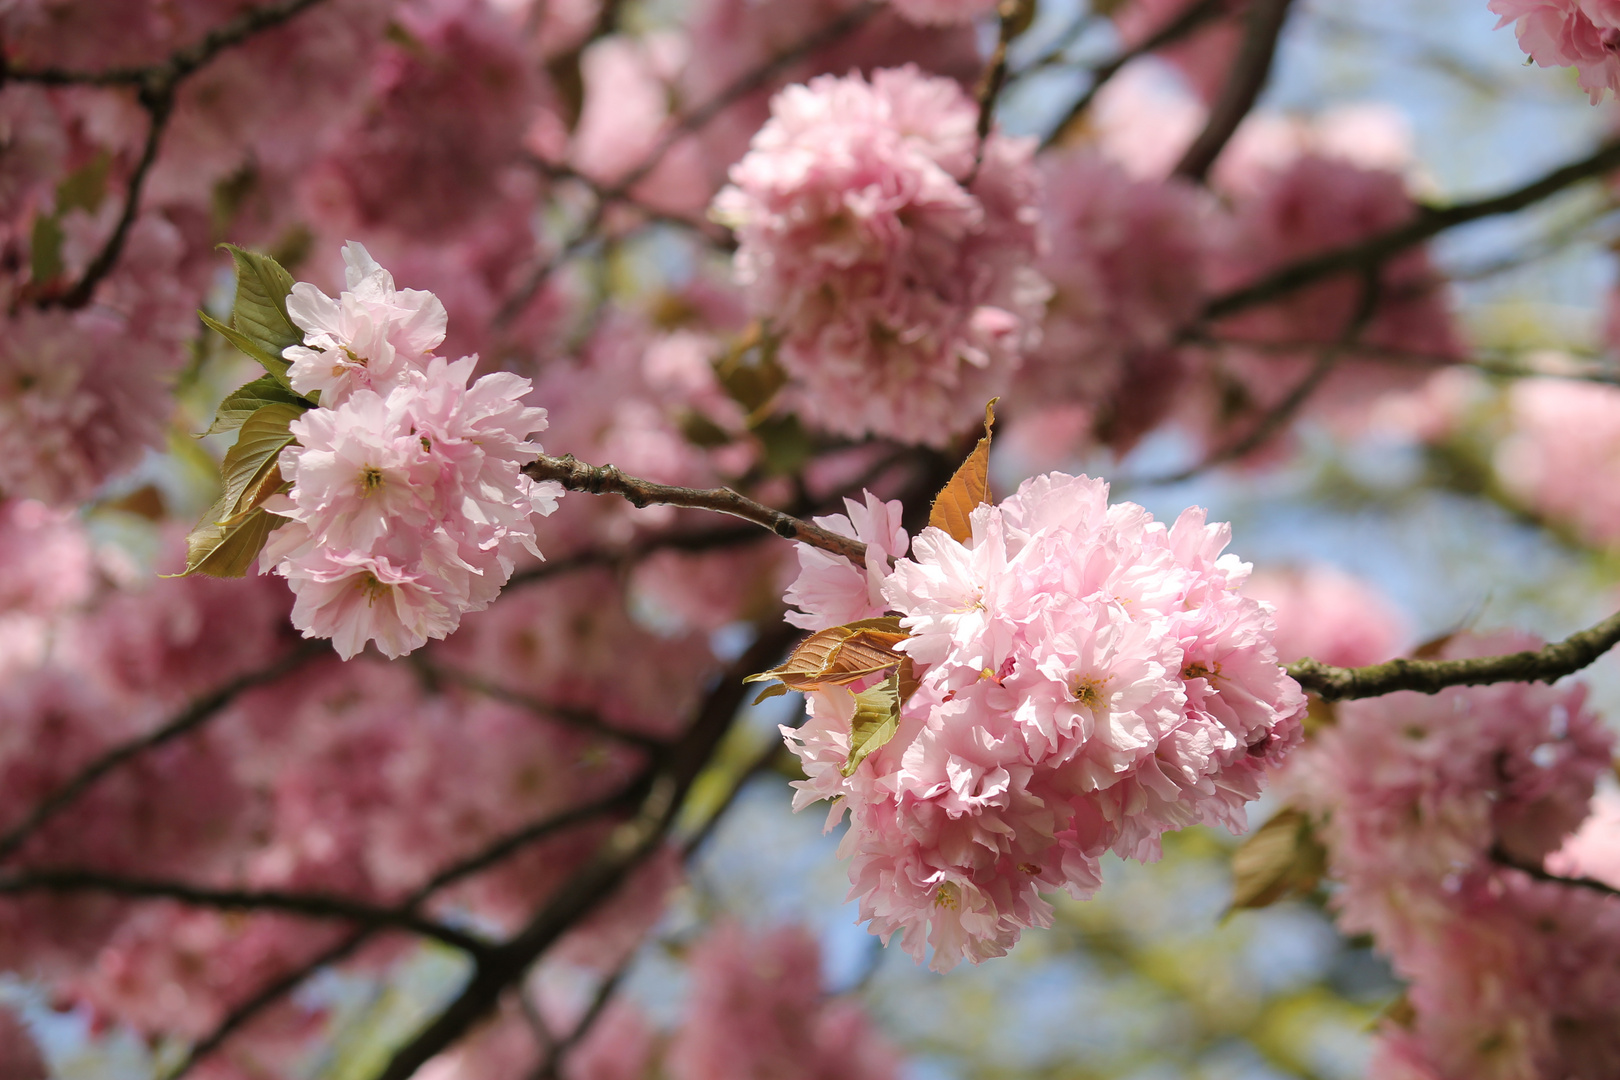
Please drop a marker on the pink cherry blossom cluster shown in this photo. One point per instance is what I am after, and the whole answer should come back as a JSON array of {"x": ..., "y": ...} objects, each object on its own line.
[
  {"x": 408, "y": 503},
  {"x": 1582, "y": 34},
  {"x": 1424, "y": 800},
  {"x": 1090, "y": 679},
  {"x": 755, "y": 1008},
  {"x": 1564, "y": 436},
  {"x": 890, "y": 250}
]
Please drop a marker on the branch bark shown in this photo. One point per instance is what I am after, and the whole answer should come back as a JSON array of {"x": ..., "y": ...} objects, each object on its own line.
[
  {"x": 371, "y": 916},
  {"x": 626, "y": 847},
  {"x": 1427, "y": 224},
  {"x": 1249, "y": 75},
  {"x": 1547, "y": 665},
  {"x": 608, "y": 480},
  {"x": 194, "y": 716}
]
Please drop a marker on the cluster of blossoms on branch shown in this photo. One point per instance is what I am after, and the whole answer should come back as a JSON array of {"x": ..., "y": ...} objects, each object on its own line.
[
  {"x": 1086, "y": 679},
  {"x": 407, "y": 503}
]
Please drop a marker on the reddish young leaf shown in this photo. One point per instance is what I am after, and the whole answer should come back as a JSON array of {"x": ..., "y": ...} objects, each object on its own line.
[{"x": 953, "y": 506}]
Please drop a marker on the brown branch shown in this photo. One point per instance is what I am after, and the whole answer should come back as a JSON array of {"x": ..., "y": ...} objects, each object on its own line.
[
  {"x": 1013, "y": 19},
  {"x": 266, "y": 996},
  {"x": 159, "y": 108},
  {"x": 192, "y": 717},
  {"x": 580, "y": 719},
  {"x": 1248, "y": 77},
  {"x": 624, "y": 849},
  {"x": 689, "y": 122},
  {"x": 1278, "y": 416},
  {"x": 180, "y": 63},
  {"x": 1548, "y": 664},
  {"x": 1428, "y": 223},
  {"x": 372, "y": 916},
  {"x": 156, "y": 85},
  {"x": 608, "y": 480},
  {"x": 1191, "y": 18},
  {"x": 1501, "y": 858},
  {"x": 284, "y": 984}
]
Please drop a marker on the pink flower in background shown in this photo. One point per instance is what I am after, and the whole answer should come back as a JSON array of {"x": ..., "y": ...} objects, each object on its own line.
[
  {"x": 1593, "y": 850},
  {"x": 1090, "y": 679},
  {"x": 1561, "y": 451},
  {"x": 1203, "y": 57},
  {"x": 1128, "y": 261},
  {"x": 756, "y": 1008},
  {"x": 70, "y": 418},
  {"x": 368, "y": 338},
  {"x": 1328, "y": 615},
  {"x": 1421, "y": 799},
  {"x": 1583, "y": 34},
  {"x": 944, "y": 12},
  {"x": 904, "y": 299}
]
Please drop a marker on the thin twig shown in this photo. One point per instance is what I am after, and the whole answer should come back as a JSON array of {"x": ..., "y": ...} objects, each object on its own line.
[
  {"x": 192, "y": 717},
  {"x": 1013, "y": 18},
  {"x": 1502, "y": 858},
  {"x": 623, "y": 850},
  {"x": 1428, "y": 223},
  {"x": 580, "y": 719},
  {"x": 181, "y": 62},
  {"x": 687, "y": 124},
  {"x": 317, "y": 906},
  {"x": 552, "y": 1062},
  {"x": 156, "y": 85},
  {"x": 1548, "y": 664},
  {"x": 1249, "y": 75},
  {"x": 1277, "y": 417},
  {"x": 608, "y": 480},
  {"x": 497, "y": 852},
  {"x": 1191, "y": 18}
]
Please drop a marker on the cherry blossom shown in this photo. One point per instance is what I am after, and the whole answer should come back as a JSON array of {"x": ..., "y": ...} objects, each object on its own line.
[
  {"x": 1583, "y": 34},
  {"x": 890, "y": 251},
  {"x": 407, "y": 510},
  {"x": 1089, "y": 679}
]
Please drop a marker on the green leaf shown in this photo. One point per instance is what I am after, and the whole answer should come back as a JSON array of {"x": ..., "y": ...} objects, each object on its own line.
[
  {"x": 274, "y": 364},
  {"x": 85, "y": 188},
  {"x": 260, "y": 325},
  {"x": 877, "y": 718},
  {"x": 226, "y": 541},
  {"x": 261, "y": 438},
  {"x": 773, "y": 690},
  {"x": 215, "y": 549},
  {"x": 45, "y": 249},
  {"x": 246, "y": 400},
  {"x": 1282, "y": 858}
]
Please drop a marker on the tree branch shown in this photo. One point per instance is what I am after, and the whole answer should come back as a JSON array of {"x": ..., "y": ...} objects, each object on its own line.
[
  {"x": 194, "y": 716},
  {"x": 1278, "y": 416},
  {"x": 286, "y": 983},
  {"x": 625, "y": 848},
  {"x": 371, "y": 916},
  {"x": 180, "y": 63},
  {"x": 579, "y": 719},
  {"x": 1548, "y": 664},
  {"x": 1249, "y": 75},
  {"x": 608, "y": 480},
  {"x": 156, "y": 85},
  {"x": 695, "y": 120},
  {"x": 1190, "y": 19},
  {"x": 1427, "y": 224},
  {"x": 1502, "y": 858}
]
